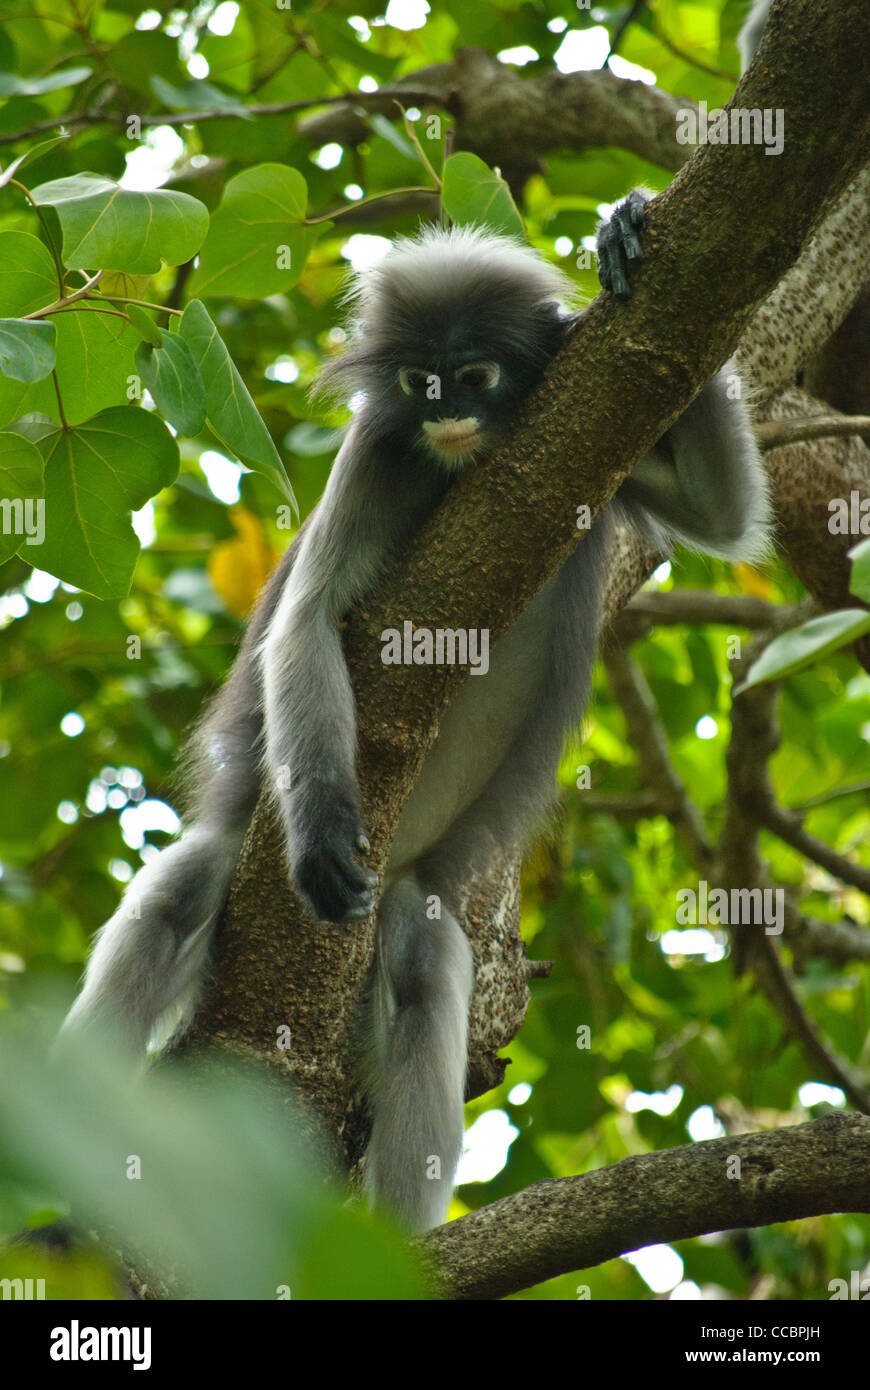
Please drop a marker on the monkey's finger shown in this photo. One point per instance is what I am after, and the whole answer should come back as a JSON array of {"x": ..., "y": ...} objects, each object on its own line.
[
  {"x": 635, "y": 204},
  {"x": 617, "y": 270},
  {"x": 363, "y": 909},
  {"x": 630, "y": 240}
]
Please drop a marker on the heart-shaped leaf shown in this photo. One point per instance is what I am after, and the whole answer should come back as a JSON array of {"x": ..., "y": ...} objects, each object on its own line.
[
  {"x": 257, "y": 244},
  {"x": 94, "y": 364},
  {"x": 96, "y": 474},
  {"x": 112, "y": 228}
]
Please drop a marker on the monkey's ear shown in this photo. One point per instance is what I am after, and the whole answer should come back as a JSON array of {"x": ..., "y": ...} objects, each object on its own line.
[{"x": 556, "y": 324}]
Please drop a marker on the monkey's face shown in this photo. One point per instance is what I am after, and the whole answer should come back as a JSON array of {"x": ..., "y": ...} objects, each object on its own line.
[
  {"x": 456, "y": 406},
  {"x": 442, "y": 360}
]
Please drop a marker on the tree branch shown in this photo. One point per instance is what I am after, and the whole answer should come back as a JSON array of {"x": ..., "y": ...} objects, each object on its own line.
[
  {"x": 554, "y": 1227},
  {"x": 771, "y": 434}
]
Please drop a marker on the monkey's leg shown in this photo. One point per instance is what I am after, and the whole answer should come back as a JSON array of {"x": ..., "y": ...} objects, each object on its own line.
[{"x": 416, "y": 1065}]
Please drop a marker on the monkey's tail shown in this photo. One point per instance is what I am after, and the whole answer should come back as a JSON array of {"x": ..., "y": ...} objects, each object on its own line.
[
  {"x": 415, "y": 1056},
  {"x": 149, "y": 960}
]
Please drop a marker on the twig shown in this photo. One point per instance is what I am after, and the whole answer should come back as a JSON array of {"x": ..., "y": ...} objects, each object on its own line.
[
  {"x": 66, "y": 299},
  {"x": 624, "y": 24},
  {"x": 754, "y": 739},
  {"x": 172, "y": 118},
  {"x": 690, "y": 58},
  {"x": 697, "y": 606},
  {"x": 650, "y": 741},
  {"x": 838, "y": 942},
  {"x": 786, "y": 824},
  {"x": 770, "y": 434}
]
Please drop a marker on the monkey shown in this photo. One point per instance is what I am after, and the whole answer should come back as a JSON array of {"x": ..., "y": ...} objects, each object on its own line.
[
  {"x": 449, "y": 335},
  {"x": 750, "y": 34}
]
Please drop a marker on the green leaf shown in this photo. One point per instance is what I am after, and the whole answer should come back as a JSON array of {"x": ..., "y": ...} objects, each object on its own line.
[
  {"x": 195, "y": 96},
  {"x": 232, "y": 416},
  {"x": 35, "y": 152},
  {"x": 803, "y": 646},
  {"x": 28, "y": 279},
  {"x": 13, "y": 85},
  {"x": 21, "y": 484},
  {"x": 473, "y": 194},
  {"x": 143, "y": 325},
  {"x": 860, "y": 557},
  {"x": 172, "y": 376},
  {"x": 26, "y": 348},
  {"x": 114, "y": 228},
  {"x": 257, "y": 244},
  {"x": 94, "y": 361},
  {"x": 389, "y": 132},
  {"x": 96, "y": 474}
]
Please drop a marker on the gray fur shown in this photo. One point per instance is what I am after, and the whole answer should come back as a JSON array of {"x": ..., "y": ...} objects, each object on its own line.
[
  {"x": 286, "y": 716},
  {"x": 415, "y": 1065},
  {"x": 750, "y": 35}
]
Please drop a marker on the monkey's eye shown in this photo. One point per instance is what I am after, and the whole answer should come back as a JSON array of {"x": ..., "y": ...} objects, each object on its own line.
[
  {"x": 480, "y": 376},
  {"x": 412, "y": 379}
]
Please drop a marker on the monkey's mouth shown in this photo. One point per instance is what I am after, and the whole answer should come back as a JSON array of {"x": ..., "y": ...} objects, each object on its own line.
[{"x": 453, "y": 439}]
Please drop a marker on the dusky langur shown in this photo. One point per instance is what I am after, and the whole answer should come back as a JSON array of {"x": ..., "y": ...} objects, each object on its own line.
[
  {"x": 453, "y": 329},
  {"x": 750, "y": 34}
]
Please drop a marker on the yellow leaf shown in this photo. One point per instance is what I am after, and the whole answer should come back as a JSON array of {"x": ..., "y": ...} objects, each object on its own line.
[
  {"x": 752, "y": 581},
  {"x": 239, "y": 568}
]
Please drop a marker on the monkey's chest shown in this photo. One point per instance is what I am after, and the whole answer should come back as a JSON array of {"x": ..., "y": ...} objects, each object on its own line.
[{"x": 476, "y": 733}]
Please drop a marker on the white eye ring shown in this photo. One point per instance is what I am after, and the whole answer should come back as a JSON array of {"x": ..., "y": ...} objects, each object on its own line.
[
  {"x": 413, "y": 379},
  {"x": 491, "y": 373}
]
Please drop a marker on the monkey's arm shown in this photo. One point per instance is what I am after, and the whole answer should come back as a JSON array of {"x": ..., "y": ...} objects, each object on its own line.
[
  {"x": 310, "y": 715},
  {"x": 703, "y": 483}
]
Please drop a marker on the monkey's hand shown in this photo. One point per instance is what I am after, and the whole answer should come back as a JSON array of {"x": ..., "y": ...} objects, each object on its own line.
[
  {"x": 617, "y": 243},
  {"x": 335, "y": 886}
]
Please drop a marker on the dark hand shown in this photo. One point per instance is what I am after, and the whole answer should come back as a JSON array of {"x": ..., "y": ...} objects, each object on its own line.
[
  {"x": 326, "y": 872},
  {"x": 618, "y": 243}
]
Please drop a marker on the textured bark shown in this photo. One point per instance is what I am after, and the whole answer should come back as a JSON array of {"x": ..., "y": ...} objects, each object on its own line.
[
  {"x": 554, "y": 1227},
  {"x": 717, "y": 243},
  {"x": 805, "y": 477}
]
